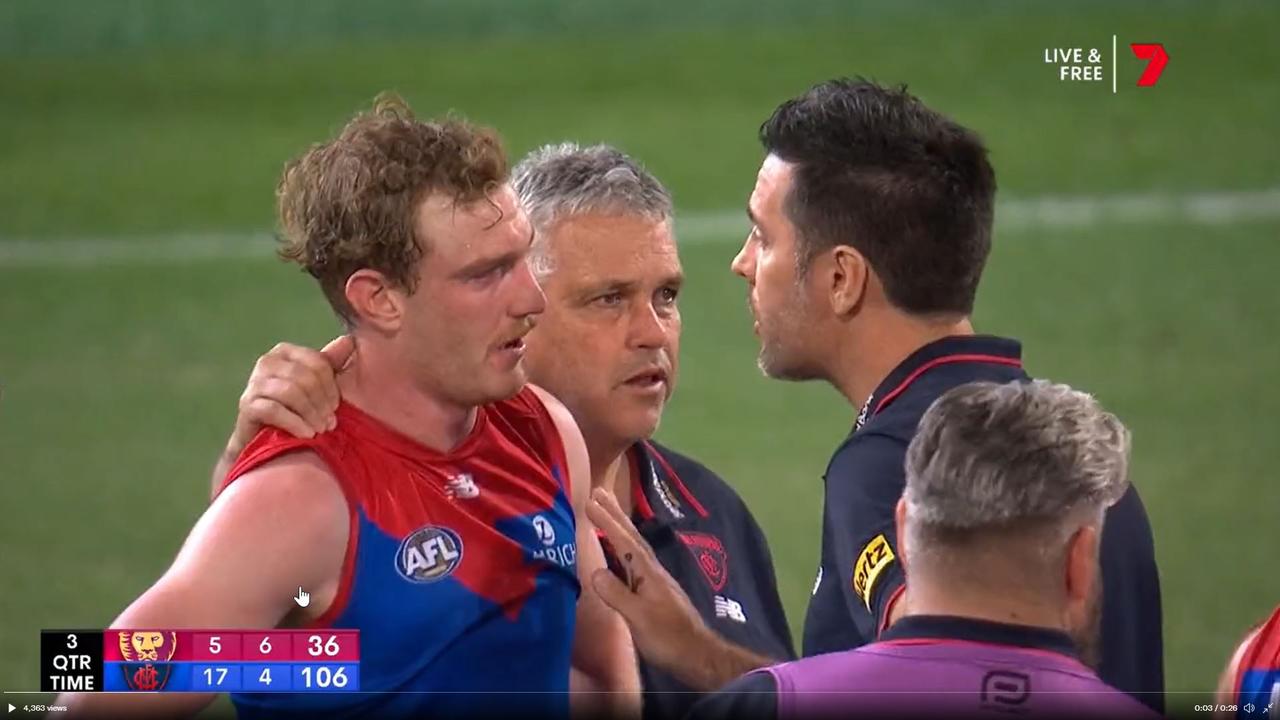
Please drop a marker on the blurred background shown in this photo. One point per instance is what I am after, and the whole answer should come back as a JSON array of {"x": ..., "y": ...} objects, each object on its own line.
[{"x": 1137, "y": 246}]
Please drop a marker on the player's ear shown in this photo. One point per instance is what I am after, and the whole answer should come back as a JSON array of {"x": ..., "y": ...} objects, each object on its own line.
[
  {"x": 376, "y": 300},
  {"x": 849, "y": 271}
]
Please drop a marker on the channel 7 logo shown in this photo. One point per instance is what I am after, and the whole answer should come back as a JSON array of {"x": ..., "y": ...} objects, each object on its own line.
[{"x": 1156, "y": 59}]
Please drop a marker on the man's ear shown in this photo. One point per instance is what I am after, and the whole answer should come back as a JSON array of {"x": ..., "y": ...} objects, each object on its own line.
[
  {"x": 376, "y": 301},
  {"x": 1082, "y": 568},
  {"x": 849, "y": 276},
  {"x": 899, "y": 527}
]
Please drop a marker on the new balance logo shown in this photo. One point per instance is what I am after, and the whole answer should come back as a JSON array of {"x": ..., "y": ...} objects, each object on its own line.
[
  {"x": 729, "y": 608},
  {"x": 462, "y": 486}
]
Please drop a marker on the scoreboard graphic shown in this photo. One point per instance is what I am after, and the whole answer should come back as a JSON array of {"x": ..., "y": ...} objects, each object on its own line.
[{"x": 147, "y": 660}]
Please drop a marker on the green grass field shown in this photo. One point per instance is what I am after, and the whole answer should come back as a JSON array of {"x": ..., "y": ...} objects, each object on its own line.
[{"x": 120, "y": 372}]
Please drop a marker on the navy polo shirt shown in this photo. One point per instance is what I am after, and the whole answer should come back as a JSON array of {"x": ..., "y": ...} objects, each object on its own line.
[
  {"x": 709, "y": 542},
  {"x": 860, "y": 576}
]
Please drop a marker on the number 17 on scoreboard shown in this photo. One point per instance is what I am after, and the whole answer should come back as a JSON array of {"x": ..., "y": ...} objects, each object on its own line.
[{"x": 201, "y": 660}]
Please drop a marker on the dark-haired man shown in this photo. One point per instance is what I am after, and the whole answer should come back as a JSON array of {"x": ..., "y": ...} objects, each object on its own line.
[{"x": 872, "y": 219}]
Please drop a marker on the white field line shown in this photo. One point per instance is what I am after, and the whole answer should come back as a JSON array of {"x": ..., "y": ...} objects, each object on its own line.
[{"x": 727, "y": 226}]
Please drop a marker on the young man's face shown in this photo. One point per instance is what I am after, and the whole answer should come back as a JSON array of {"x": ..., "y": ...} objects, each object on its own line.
[
  {"x": 475, "y": 300},
  {"x": 777, "y": 296},
  {"x": 608, "y": 344}
]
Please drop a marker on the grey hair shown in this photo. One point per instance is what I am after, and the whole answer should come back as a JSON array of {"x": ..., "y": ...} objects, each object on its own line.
[
  {"x": 564, "y": 180},
  {"x": 992, "y": 456}
]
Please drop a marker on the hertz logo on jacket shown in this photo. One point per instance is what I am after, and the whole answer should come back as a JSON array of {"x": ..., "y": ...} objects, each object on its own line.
[{"x": 872, "y": 561}]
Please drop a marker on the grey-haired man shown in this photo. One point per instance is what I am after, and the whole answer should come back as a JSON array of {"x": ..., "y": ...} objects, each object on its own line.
[
  {"x": 1000, "y": 529},
  {"x": 607, "y": 346}
]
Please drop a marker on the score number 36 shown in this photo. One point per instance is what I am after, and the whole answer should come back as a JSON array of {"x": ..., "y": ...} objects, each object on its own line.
[{"x": 317, "y": 646}]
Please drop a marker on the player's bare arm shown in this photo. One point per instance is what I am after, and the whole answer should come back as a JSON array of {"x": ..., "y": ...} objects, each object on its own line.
[
  {"x": 292, "y": 388},
  {"x": 666, "y": 628},
  {"x": 603, "y": 653},
  {"x": 237, "y": 569}
]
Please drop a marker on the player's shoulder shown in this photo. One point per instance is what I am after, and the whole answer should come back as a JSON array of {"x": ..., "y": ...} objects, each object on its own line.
[
  {"x": 296, "y": 490},
  {"x": 534, "y": 412},
  {"x": 531, "y": 400},
  {"x": 532, "y": 415},
  {"x": 276, "y": 454},
  {"x": 300, "y": 471}
]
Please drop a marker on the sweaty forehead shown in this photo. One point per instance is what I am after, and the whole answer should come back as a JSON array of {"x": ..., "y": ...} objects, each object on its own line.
[{"x": 486, "y": 225}]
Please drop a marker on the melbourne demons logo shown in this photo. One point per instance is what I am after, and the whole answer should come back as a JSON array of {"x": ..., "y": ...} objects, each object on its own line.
[
  {"x": 712, "y": 559},
  {"x": 146, "y": 654},
  {"x": 429, "y": 554}
]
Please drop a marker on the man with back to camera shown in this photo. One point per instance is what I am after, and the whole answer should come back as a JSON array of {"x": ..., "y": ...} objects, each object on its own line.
[
  {"x": 445, "y": 475},
  {"x": 872, "y": 218},
  {"x": 608, "y": 347},
  {"x": 1007, "y": 487}
]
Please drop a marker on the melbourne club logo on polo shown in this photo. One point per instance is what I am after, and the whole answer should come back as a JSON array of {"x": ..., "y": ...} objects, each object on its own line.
[
  {"x": 710, "y": 555},
  {"x": 428, "y": 554}
]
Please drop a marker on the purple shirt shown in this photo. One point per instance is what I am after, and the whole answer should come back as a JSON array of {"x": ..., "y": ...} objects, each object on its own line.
[{"x": 932, "y": 666}]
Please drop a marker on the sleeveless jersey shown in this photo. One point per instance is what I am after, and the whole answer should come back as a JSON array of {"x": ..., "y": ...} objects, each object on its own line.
[
  {"x": 460, "y": 569},
  {"x": 1257, "y": 680}
]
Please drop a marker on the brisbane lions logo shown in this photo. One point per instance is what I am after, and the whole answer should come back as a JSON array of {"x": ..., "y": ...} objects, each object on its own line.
[{"x": 429, "y": 554}]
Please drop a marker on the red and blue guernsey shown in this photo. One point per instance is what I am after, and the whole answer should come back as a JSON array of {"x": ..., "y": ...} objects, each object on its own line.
[
  {"x": 1257, "y": 680},
  {"x": 460, "y": 569}
]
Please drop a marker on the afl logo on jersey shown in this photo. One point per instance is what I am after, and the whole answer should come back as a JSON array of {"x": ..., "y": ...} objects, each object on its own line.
[{"x": 429, "y": 554}]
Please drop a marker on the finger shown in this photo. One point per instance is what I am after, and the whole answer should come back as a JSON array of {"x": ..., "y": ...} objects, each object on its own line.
[
  {"x": 266, "y": 411},
  {"x": 628, "y": 547},
  {"x": 312, "y": 378},
  {"x": 323, "y": 368},
  {"x": 606, "y": 523},
  {"x": 609, "y": 504},
  {"x": 339, "y": 352},
  {"x": 314, "y": 385},
  {"x": 293, "y": 396},
  {"x": 285, "y": 357},
  {"x": 613, "y": 592},
  {"x": 306, "y": 367}
]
